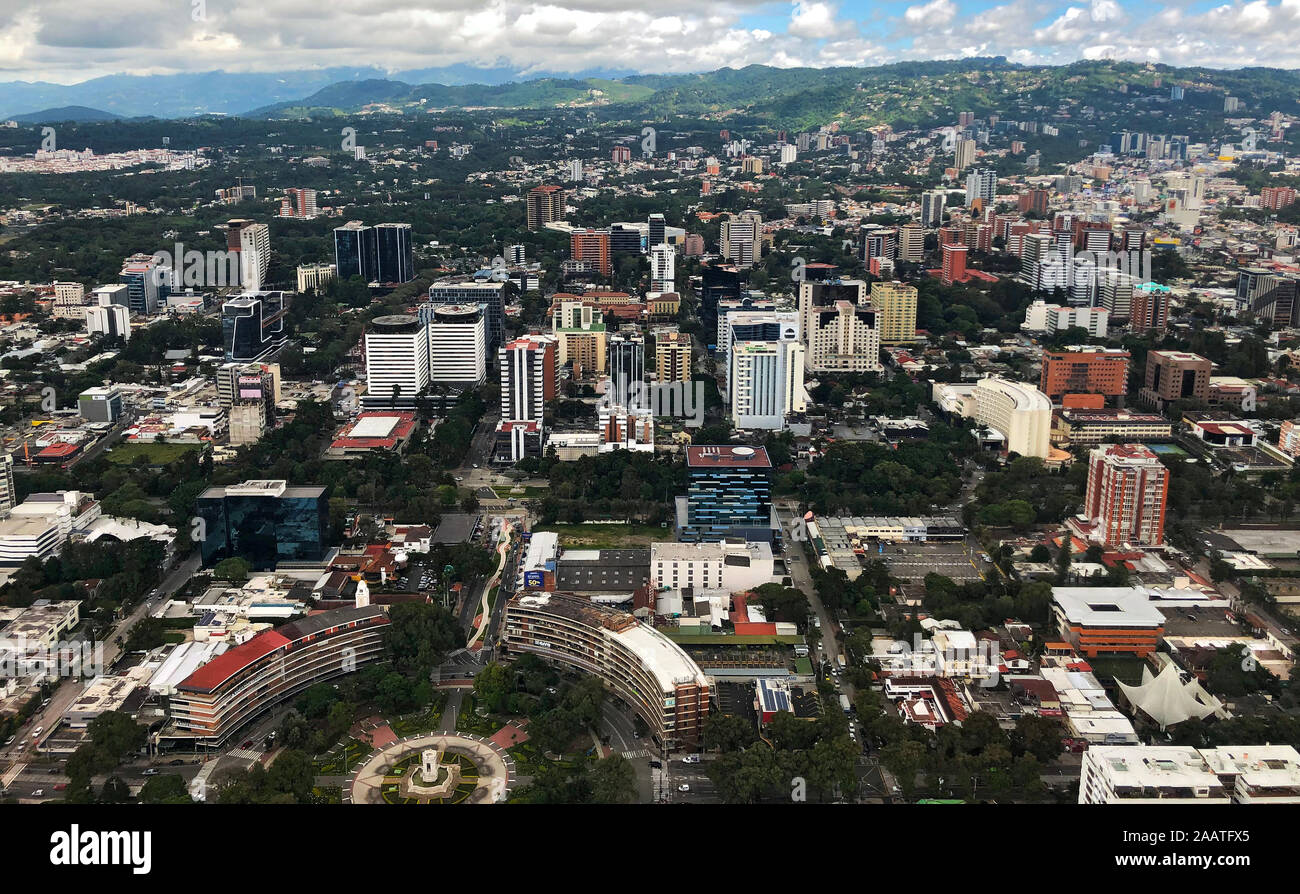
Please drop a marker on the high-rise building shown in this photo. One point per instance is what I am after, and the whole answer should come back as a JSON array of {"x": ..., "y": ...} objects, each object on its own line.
[
  {"x": 397, "y": 361},
  {"x": 662, "y": 262},
  {"x": 579, "y": 324},
  {"x": 877, "y": 242},
  {"x": 814, "y": 295},
  {"x": 728, "y": 494},
  {"x": 1035, "y": 251},
  {"x": 312, "y": 276},
  {"x": 1175, "y": 375},
  {"x": 8, "y": 495},
  {"x": 656, "y": 231},
  {"x": 954, "y": 264},
  {"x": 395, "y": 253},
  {"x": 1149, "y": 308},
  {"x": 911, "y": 243},
  {"x": 100, "y": 404},
  {"x": 545, "y": 204},
  {"x": 741, "y": 238},
  {"x": 574, "y": 166},
  {"x": 299, "y": 204},
  {"x": 1033, "y": 201},
  {"x": 672, "y": 355},
  {"x": 356, "y": 251},
  {"x": 495, "y": 294},
  {"x": 148, "y": 284},
  {"x": 69, "y": 301},
  {"x": 981, "y": 188},
  {"x": 1128, "y": 487},
  {"x": 529, "y": 378},
  {"x": 109, "y": 316},
  {"x": 248, "y": 382},
  {"x": 592, "y": 248},
  {"x": 251, "y": 243},
  {"x": 625, "y": 366},
  {"x": 458, "y": 345},
  {"x": 1102, "y": 372},
  {"x": 963, "y": 154},
  {"x": 932, "y": 204},
  {"x": 765, "y": 383},
  {"x": 895, "y": 304},
  {"x": 252, "y": 325},
  {"x": 843, "y": 337},
  {"x": 1275, "y": 198}
]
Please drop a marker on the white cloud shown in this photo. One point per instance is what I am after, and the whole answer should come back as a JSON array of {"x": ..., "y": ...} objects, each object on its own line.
[
  {"x": 936, "y": 12},
  {"x": 70, "y": 40},
  {"x": 813, "y": 20}
]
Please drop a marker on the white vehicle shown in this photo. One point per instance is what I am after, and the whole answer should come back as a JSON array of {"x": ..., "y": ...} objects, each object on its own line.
[
  {"x": 691, "y": 759},
  {"x": 37, "y": 732},
  {"x": 683, "y": 787},
  {"x": 40, "y": 792}
]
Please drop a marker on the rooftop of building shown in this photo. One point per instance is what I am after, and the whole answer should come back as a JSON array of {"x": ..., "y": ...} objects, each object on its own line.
[
  {"x": 727, "y": 456},
  {"x": 668, "y": 662},
  {"x": 1107, "y": 607}
]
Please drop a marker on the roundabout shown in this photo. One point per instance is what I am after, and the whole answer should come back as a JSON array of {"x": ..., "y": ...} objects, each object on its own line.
[{"x": 433, "y": 768}]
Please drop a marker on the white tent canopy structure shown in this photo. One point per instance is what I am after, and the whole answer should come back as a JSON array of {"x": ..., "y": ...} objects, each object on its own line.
[{"x": 1164, "y": 698}]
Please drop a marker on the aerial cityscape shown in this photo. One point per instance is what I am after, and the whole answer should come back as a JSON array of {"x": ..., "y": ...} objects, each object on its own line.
[{"x": 838, "y": 418}]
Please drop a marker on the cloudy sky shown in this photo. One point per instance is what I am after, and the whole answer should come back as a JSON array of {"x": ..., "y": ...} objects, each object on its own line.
[{"x": 66, "y": 41}]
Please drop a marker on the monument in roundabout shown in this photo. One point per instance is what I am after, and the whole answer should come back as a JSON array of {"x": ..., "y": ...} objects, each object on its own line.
[
  {"x": 433, "y": 768},
  {"x": 432, "y": 777}
]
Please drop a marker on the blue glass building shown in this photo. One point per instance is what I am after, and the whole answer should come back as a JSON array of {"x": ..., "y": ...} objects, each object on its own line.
[
  {"x": 266, "y": 522},
  {"x": 728, "y": 494}
]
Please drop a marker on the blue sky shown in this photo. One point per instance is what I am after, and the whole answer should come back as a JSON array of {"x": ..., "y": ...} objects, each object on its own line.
[{"x": 70, "y": 40}]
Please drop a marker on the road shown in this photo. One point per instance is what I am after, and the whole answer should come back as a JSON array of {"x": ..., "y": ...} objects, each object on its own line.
[
  {"x": 797, "y": 564},
  {"x": 48, "y": 718}
]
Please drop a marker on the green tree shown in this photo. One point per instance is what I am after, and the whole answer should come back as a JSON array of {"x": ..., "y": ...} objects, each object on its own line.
[{"x": 232, "y": 569}]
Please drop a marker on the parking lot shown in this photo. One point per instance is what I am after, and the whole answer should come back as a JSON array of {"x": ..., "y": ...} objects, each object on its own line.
[{"x": 913, "y": 561}]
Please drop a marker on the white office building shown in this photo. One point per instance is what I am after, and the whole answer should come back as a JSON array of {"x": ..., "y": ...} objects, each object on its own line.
[
  {"x": 765, "y": 383},
  {"x": 397, "y": 361},
  {"x": 662, "y": 258},
  {"x": 458, "y": 345},
  {"x": 1017, "y": 411}
]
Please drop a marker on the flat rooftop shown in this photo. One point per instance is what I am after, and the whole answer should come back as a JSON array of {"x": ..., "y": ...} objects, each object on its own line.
[
  {"x": 1107, "y": 607},
  {"x": 727, "y": 456}
]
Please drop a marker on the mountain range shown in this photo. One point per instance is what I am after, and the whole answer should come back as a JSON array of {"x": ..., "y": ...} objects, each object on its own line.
[{"x": 906, "y": 93}]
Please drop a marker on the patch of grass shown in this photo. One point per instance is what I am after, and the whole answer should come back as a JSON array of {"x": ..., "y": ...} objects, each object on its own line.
[
  {"x": 603, "y": 536},
  {"x": 340, "y": 761},
  {"x": 156, "y": 454}
]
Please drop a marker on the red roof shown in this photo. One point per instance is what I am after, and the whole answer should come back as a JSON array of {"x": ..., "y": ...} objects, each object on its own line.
[{"x": 232, "y": 661}]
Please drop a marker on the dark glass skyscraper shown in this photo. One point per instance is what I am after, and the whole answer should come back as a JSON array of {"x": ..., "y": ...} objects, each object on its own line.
[
  {"x": 252, "y": 326},
  {"x": 396, "y": 256},
  {"x": 356, "y": 251},
  {"x": 265, "y": 522}
]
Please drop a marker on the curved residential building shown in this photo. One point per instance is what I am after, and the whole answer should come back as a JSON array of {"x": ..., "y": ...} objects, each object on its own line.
[
  {"x": 1016, "y": 410},
  {"x": 223, "y": 695},
  {"x": 640, "y": 665}
]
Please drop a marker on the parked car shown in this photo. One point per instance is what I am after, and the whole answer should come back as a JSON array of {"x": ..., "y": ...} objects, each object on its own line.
[{"x": 683, "y": 787}]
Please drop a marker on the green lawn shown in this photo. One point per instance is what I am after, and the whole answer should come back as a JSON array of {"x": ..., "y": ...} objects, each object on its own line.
[
  {"x": 602, "y": 536},
  {"x": 156, "y": 454}
]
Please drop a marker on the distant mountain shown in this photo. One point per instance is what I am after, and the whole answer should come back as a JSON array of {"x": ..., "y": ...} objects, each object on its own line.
[
  {"x": 228, "y": 93},
  {"x": 540, "y": 93},
  {"x": 904, "y": 94},
  {"x": 79, "y": 114}
]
